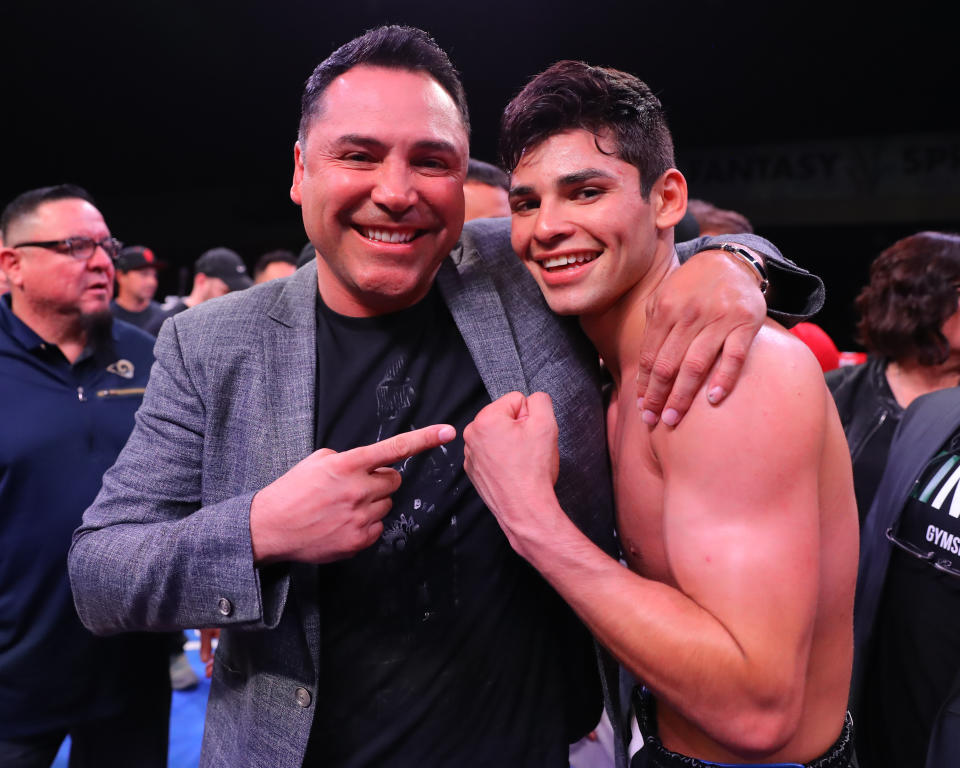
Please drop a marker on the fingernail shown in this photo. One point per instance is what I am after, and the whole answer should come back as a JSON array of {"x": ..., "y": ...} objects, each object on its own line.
[
  {"x": 649, "y": 418},
  {"x": 446, "y": 434},
  {"x": 670, "y": 417},
  {"x": 639, "y": 403},
  {"x": 716, "y": 394}
]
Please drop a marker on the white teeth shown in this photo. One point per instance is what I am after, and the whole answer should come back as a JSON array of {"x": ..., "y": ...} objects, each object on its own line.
[
  {"x": 388, "y": 236},
  {"x": 572, "y": 258}
]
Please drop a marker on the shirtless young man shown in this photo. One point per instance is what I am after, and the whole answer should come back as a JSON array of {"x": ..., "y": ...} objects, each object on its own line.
[{"x": 738, "y": 525}]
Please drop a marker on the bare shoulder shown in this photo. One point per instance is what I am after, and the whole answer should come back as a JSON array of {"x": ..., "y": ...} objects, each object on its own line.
[
  {"x": 779, "y": 359},
  {"x": 781, "y": 392}
]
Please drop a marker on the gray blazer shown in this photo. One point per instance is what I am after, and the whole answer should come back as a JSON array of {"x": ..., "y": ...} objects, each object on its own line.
[{"x": 229, "y": 408}]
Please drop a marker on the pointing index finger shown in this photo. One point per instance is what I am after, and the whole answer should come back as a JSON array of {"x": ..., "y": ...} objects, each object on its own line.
[{"x": 393, "y": 449}]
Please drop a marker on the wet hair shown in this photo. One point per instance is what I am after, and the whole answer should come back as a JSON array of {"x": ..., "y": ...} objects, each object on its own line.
[
  {"x": 485, "y": 173},
  {"x": 914, "y": 287},
  {"x": 27, "y": 202},
  {"x": 393, "y": 46},
  {"x": 571, "y": 95}
]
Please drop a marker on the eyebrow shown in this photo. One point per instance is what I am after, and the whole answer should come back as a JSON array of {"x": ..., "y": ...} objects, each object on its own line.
[
  {"x": 567, "y": 180},
  {"x": 434, "y": 145},
  {"x": 578, "y": 177}
]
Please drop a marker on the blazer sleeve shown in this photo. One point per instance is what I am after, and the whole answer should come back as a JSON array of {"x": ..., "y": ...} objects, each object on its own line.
[
  {"x": 148, "y": 554},
  {"x": 795, "y": 294}
]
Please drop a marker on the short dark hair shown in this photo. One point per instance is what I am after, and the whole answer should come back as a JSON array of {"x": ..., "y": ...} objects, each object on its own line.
[
  {"x": 913, "y": 289},
  {"x": 393, "y": 46},
  {"x": 287, "y": 257},
  {"x": 570, "y": 95},
  {"x": 27, "y": 202},
  {"x": 486, "y": 173}
]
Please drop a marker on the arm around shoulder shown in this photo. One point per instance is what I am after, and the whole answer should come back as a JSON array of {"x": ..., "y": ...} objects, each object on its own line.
[{"x": 795, "y": 294}]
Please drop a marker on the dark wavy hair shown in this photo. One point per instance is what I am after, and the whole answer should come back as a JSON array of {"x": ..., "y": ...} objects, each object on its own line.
[
  {"x": 392, "y": 46},
  {"x": 914, "y": 287},
  {"x": 572, "y": 94}
]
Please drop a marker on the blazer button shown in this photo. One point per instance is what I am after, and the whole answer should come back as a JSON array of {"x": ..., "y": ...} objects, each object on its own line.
[
  {"x": 224, "y": 606},
  {"x": 303, "y": 697}
]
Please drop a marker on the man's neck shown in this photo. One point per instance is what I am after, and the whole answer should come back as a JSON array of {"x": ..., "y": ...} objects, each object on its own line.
[
  {"x": 617, "y": 331},
  {"x": 68, "y": 332},
  {"x": 132, "y": 303}
]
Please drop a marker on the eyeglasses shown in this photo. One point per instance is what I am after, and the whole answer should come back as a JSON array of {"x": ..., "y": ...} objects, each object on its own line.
[
  {"x": 81, "y": 248},
  {"x": 941, "y": 564}
]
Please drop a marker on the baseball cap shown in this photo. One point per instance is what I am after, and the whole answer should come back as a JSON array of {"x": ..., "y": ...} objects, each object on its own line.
[
  {"x": 226, "y": 265},
  {"x": 136, "y": 257}
]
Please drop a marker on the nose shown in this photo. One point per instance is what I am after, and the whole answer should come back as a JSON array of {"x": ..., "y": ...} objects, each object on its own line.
[
  {"x": 100, "y": 259},
  {"x": 395, "y": 190},
  {"x": 551, "y": 225}
]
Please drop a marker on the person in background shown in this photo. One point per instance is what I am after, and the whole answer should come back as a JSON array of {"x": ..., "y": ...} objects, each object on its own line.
[
  {"x": 712, "y": 220},
  {"x": 136, "y": 267},
  {"x": 485, "y": 191},
  {"x": 910, "y": 327},
  {"x": 71, "y": 379},
  {"x": 274, "y": 264},
  {"x": 216, "y": 273},
  {"x": 905, "y": 694}
]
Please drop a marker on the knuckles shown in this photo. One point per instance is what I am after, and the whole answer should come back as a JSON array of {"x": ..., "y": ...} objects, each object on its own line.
[{"x": 663, "y": 370}]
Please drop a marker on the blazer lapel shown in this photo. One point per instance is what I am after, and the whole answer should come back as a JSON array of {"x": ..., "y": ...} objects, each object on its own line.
[
  {"x": 290, "y": 360},
  {"x": 290, "y": 355},
  {"x": 478, "y": 312}
]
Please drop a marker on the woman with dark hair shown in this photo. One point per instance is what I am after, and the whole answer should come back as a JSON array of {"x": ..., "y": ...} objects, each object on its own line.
[{"x": 910, "y": 326}]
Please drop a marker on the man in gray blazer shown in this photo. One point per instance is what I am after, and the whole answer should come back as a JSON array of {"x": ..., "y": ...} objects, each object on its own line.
[{"x": 372, "y": 611}]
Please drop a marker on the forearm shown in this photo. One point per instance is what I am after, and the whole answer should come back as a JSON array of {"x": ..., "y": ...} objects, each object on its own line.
[
  {"x": 192, "y": 571},
  {"x": 795, "y": 294},
  {"x": 686, "y": 655}
]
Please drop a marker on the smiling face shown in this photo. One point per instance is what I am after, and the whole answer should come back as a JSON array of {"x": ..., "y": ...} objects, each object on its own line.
[
  {"x": 51, "y": 282},
  {"x": 380, "y": 181},
  {"x": 581, "y": 224}
]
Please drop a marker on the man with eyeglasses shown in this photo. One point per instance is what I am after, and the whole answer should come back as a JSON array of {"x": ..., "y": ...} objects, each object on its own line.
[{"x": 70, "y": 381}]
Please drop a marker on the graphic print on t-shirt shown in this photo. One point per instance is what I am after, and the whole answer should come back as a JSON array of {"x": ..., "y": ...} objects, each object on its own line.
[{"x": 396, "y": 395}]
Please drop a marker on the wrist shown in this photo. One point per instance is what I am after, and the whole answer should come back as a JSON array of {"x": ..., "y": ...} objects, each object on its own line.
[
  {"x": 544, "y": 532},
  {"x": 749, "y": 259},
  {"x": 260, "y": 539}
]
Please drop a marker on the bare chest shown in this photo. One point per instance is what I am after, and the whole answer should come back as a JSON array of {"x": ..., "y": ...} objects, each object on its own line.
[{"x": 638, "y": 491}]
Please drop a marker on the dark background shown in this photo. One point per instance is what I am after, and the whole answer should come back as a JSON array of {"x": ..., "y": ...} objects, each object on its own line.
[{"x": 180, "y": 117}]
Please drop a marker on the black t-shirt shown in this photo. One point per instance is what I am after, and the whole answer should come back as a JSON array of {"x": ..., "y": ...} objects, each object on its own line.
[
  {"x": 916, "y": 653},
  {"x": 149, "y": 319},
  {"x": 439, "y": 645}
]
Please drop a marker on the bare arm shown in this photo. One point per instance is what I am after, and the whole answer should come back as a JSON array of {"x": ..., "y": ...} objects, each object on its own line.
[
  {"x": 715, "y": 309},
  {"x": 727, "y": 646},
  {"x": 712, "y": 306}
]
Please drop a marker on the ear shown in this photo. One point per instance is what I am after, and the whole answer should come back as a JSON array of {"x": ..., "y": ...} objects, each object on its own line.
[
  {"x": 10, "y": 264},
  {"x": 670, "y": 198},
  {"x": 297, "y": 174}
]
